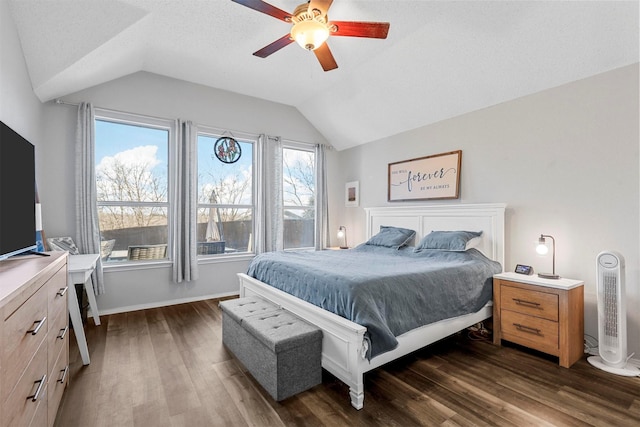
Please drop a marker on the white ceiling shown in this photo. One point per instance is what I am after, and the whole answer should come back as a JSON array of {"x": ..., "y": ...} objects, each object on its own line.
[{"x": 441, "y": 58}]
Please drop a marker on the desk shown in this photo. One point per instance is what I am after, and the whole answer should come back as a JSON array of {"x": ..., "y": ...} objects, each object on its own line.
[{"x": 80, "y": 269}]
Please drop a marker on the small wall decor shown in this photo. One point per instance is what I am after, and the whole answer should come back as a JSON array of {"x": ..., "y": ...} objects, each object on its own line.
[
  {"x": 430, "y": 177},
  {"x": 227, "y": 149},
  {"x": 352, "y": 194}
]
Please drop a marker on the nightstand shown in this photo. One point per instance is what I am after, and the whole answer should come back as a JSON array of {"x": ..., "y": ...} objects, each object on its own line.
[{"x": 543, "y": 314}]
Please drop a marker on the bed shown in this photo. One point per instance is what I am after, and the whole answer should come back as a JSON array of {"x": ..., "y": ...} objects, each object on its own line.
[{"x": 346, "y": 349}]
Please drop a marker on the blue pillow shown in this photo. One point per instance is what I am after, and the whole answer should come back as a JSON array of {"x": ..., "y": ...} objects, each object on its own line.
[
  {"x": 392, "y": 237},
  {"x": 457, "y": 241}
]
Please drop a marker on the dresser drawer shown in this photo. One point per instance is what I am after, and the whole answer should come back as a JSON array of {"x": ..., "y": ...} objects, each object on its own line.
[
  {"x": 57, "y": 294},
  {"x": 58, "y": 380},
  {"x": 18, "y": 343},
  {"x": 19, "y": 409},
  {"x": 534, "y": 303},
  {"x": 58, "y": 336},
  {"x": 530, "y": 331},
  {"x": 42, "y": 412}
]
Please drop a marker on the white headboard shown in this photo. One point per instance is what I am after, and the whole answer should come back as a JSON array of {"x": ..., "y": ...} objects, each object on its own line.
[{"x": 488, "y": 218}]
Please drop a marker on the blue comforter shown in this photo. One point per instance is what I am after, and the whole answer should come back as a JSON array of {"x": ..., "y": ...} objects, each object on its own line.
[{"x": 388, "y": 291}]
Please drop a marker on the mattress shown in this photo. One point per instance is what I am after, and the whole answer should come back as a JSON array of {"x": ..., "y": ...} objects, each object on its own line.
[{"x": 389, "y": 291}]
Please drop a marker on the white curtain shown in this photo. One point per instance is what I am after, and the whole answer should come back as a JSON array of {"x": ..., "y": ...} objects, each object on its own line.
[
  {"x": 270, "y": 233},
  {"x": 322, "y": 215},
  {"x": 185, "y": 256},
  {"x": 87, "y": 228}
]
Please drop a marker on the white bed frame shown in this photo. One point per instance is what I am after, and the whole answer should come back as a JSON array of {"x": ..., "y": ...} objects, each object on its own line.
[{"x": 343, "y": 346}]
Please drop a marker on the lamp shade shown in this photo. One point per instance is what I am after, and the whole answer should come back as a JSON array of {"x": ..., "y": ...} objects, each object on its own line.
[
  {"x": 310, "y": 33},
  {"x": 542, "y": 248}
]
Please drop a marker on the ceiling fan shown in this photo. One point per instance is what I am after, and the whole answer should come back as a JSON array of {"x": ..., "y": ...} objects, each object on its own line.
[{"x": 311, "y": 28}]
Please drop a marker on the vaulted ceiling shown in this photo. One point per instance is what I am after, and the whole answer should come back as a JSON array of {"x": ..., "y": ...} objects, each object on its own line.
[{"x": 441, "y": 58}]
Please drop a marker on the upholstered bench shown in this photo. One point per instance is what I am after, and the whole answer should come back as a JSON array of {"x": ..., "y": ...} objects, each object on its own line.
[{"x": 280, "y": 350}]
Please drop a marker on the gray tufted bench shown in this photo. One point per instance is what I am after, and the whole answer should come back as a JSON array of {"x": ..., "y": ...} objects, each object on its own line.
[{"x": 282, "y": 351}]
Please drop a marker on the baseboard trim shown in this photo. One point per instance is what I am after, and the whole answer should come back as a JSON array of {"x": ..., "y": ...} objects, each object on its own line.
[{"x": 137, "y": 307}]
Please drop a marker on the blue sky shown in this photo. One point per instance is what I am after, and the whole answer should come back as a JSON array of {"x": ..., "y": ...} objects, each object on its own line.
[{"x": 114, "y": 138}]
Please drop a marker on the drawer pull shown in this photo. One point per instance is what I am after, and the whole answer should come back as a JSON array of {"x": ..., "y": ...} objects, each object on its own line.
[
  {"x": 37, "y": 328},
  {"x": 525, "y": 302},
  {"x": 528, "y": 329},
  {"x": 63, "y": 332},
  {"x": 62, "y": 291},
  {"x": 41, "y": 384},
  {"x": 64, "y": 374}
]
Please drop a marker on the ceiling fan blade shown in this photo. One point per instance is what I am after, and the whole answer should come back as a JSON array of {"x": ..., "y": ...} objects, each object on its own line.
[
  {"x": 322, "y": 5},
  {"x": 274, "y": 47},
  {"x": 264, "y": 7},
  {"x": 324, "y": 55},
  {"x": 374, "y": 30}
]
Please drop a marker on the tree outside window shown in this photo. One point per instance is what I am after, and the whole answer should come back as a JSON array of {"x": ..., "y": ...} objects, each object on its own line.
[{"x": 299, "y": 197}]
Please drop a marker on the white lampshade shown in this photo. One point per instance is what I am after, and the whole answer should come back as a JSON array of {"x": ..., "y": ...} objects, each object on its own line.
[
  {"x": 310, "y": 34},
  {"x": 542, "y": 249}
]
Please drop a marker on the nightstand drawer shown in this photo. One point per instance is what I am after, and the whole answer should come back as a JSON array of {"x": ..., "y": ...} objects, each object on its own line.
[
  {"x": 534, "y": 303},
  {"x": 533, "y": 332}
]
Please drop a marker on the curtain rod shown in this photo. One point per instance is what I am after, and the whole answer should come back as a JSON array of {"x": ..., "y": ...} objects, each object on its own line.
[
  {"x": 329, "y": 146},
  {"x": 61, "y": 102}
]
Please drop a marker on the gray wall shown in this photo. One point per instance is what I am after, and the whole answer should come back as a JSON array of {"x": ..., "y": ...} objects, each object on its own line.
[
  {"x": 19, "y": 107},
  {"x": 565, "y": 161}
]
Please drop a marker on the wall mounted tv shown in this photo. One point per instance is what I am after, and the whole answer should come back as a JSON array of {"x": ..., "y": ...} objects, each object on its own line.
[{"x": 17, "y": 194}]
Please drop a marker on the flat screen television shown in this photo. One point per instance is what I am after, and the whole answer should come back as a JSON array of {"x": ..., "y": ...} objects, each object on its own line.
[{"x": 17, "y": 194}]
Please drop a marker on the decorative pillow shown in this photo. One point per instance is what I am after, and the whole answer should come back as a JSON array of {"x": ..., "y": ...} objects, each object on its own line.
[
  {"x": 63, "y": 244},
  {"x": 458, "y": 241},
  {"x": 392, "y": 237}
]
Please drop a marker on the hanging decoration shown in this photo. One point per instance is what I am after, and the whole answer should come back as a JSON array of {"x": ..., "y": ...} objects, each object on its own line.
[{"x": 227, "y": 149}]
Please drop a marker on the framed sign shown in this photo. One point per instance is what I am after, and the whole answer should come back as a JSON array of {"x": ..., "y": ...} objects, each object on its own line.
[
  {"x": 352, "y": 194},
  {"x": 431, "y": 177}
]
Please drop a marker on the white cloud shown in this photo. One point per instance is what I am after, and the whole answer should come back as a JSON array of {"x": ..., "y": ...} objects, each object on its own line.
[{"x": 143, "y": 155}]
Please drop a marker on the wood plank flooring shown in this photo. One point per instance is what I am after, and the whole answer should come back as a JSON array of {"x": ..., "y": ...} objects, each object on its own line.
[{"x": 168, "y": 367}]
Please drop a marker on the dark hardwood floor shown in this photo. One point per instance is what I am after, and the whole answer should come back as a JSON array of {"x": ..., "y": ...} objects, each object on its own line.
[{"x": 168, "y": 367}]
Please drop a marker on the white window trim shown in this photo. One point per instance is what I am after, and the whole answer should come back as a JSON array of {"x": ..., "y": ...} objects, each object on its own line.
[{"x": 157, "y": 123}]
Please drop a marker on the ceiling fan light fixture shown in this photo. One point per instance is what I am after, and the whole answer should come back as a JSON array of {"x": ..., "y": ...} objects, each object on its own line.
[{"x": 309, "y": 29}]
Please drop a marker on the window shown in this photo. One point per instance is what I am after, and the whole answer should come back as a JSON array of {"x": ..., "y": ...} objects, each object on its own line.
[
  {"x": 299, "y": 196},
  {"x": 132, "y": 183},
  {"x": 135, "y": 174},
  {"x": 226, "y": 211}
]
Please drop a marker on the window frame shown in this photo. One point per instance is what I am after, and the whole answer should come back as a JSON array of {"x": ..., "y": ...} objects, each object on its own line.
[
  {"x": 118, "y": 117},
  {"x": 256, "y": 183},
  {"x": 311, "y": 148}
]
